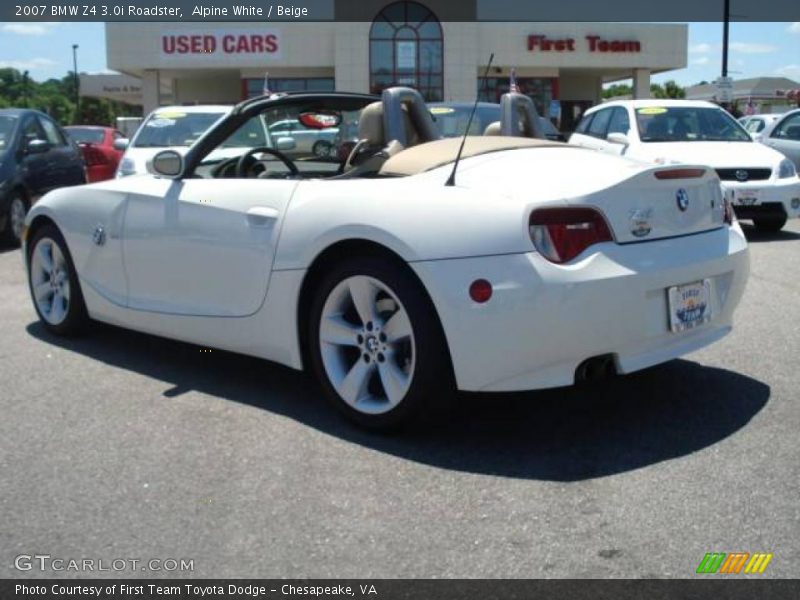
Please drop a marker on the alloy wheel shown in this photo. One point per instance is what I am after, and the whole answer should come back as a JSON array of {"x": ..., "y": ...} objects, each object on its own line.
[{"x": 367, "y": 344}]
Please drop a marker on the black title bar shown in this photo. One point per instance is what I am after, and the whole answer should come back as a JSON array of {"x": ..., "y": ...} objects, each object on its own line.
[
  {"x": 366, "y": 10},
  {"x": 399, "y": 589}
]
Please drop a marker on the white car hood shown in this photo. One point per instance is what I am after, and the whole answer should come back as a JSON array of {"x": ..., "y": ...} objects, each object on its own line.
[{"x": 715, "y": 154}]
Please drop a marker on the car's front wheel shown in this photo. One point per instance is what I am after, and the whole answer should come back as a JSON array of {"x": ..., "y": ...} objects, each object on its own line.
[
  {"x": 53, "y": 283},
  {"x": 376, "y": 344},
  {"x": 770, "y": 223}
]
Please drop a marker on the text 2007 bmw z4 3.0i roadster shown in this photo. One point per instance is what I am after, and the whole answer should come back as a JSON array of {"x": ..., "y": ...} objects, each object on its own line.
[{"x": 391, "y": 275}]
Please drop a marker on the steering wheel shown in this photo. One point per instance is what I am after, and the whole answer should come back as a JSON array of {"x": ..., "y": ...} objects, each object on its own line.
[{"x": 242, "y": 166}]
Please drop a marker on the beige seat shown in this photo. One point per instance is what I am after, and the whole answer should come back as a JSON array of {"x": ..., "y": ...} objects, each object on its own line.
[
  {"x": 493, "y": 129},
  {"x": 373, "y": 149}
]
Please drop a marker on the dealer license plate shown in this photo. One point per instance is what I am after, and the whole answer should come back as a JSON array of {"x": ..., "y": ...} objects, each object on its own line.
[
  {"x": 689, "y": 305},
  {"x": 747, "y": 197}
]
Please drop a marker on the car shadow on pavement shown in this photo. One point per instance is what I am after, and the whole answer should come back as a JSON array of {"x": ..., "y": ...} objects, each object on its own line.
[
  {"x": 757, "y": 235},
  {"x": 566, "y": 434}
]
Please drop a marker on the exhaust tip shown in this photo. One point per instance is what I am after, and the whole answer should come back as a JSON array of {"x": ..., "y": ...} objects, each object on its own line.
[{"x": 596, "y": 368}]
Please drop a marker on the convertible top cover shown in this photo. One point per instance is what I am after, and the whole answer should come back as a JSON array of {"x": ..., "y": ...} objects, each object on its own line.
[{"x": 425, "y": 157}]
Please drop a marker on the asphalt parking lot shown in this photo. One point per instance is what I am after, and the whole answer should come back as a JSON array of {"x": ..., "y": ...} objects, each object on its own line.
[{"x": 122, "y": 445}]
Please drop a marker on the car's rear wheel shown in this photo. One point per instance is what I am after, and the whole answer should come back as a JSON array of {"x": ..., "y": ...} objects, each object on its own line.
[
  {"x": 770, "y": 223},
  {"x": 53, "y": 283},
  {"x": 15, "y": 219},
  {"x": 322, "y": 149},
  {"x": 376, "y": 344}
]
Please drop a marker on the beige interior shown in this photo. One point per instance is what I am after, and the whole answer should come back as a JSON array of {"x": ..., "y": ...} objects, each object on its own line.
[{"x": 425, "y": 157}]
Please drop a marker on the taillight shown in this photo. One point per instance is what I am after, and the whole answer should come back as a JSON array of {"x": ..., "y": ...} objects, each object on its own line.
[
  {"x": 93, "y": 155},
  {"x": 561, "y": 234}
]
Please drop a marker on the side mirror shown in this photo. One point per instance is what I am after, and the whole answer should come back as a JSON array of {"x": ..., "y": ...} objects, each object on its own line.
[
  {"x": 37, "y": 146},
  {"x": 285, "y": 143},
  {"x": 618, "y": 138},
  {"x": 166, "y": 163},
  {"x": 121, "y": 144}
]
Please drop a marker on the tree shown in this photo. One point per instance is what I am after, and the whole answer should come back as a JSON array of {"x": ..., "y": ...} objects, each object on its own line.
[
  {"x": 670, "y": 89},
  {"x": 618, "y": 89},
  {"x": 56, "y": 97}
]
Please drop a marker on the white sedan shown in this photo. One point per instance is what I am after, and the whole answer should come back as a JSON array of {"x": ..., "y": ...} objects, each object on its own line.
[
  {"x": 536, "y": 265},
  {"x": 762, "y": 183}
]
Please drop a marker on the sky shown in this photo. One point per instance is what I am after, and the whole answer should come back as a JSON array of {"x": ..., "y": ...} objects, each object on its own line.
[{"x": 756, "y": 50}]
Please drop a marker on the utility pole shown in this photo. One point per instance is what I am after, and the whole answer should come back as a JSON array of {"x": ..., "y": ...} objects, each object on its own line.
[
  {"x": 77, "y": 81},
  {"x": 726, "y": 19}
]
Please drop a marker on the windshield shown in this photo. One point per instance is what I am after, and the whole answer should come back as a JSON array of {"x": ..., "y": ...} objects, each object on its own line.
[
  {"x": 452, "y": 120},
  {"x": 86, "y": 135},
  {"x": 688, "y": 124},
  {"x": 250, "y": 135},
  {"x": 174, "y": 128},
  {"x": 7, "y": 124}
]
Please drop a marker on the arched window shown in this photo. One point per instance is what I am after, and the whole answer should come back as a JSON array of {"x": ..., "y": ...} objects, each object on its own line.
[{"x": 405, "y": 48}]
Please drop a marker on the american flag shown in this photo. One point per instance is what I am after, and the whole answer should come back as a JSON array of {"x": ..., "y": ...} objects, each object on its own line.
[
  {"x": 512, "y": 86},
  {"x": 266, "y": 91}
]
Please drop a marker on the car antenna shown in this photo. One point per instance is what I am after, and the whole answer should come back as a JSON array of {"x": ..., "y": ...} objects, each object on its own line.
[{"x": 451, "y": 181}]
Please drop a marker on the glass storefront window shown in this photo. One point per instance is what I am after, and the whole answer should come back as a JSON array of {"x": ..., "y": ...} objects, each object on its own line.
[
  {"x": 255, "y": 87},
  {"x": 406, "y": 48}
]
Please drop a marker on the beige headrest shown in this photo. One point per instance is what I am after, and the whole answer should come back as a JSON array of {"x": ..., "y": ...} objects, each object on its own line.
[
  {"x": 370, "y": 124},
  {"x": 493, "y": 129}
]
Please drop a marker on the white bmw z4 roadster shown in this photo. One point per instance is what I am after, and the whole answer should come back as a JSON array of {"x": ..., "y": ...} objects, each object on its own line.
[{"x": 389, "y": 274}]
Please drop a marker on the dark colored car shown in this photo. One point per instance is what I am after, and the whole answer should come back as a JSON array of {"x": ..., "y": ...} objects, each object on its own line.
[
  {"x": 36, "y": 156},
  {"x": 97, "y": 145}
]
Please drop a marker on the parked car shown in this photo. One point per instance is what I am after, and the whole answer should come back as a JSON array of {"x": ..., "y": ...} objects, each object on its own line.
[
  {"x": 305, "y": 140},
  {"x": 178, "y": 127},
  {"x": 784, "y": 136},
  {"x": 36, "y": 156},
  {"x": 97, "y": 145},
  {"x": 452, "y": 117},
  {"x": 755, "y": 124},
  {"x": 174, "y": 127},
  {"x": 399, "y": 278},
  {"x": 762, "y": 183}
]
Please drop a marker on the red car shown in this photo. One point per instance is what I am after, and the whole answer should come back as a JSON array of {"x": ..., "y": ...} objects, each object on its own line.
[{"x": 97, "y": 145}]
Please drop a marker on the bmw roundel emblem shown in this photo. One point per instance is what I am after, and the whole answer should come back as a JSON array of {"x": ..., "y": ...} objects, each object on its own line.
[{"x": 682, "y": 197}]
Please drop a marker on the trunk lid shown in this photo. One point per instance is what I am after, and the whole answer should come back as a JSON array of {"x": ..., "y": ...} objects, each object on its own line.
[{"x": 660, "y": 203}]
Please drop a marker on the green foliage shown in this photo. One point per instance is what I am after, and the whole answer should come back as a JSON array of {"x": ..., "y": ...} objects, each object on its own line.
[
  {"x": 670, "y": 89},
  {"x": 56, "y": 97},
  {"x": 618, "y": 89}
]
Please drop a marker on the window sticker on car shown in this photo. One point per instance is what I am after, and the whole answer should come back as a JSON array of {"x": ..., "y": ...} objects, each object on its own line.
[
  {"x": 651, "y": 110},
  {"x": 169, "y": 115},
  {"x": 160, "y": 122}
]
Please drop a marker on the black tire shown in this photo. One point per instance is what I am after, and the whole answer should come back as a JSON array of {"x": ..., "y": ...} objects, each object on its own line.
[
  {"x": 77, "y": 318},
  {"x": 322, "y": 149},
  {"x": 9, "y": 236},
  {"x": 771, "y": 224},
  {"x": 431, "y": 383}
]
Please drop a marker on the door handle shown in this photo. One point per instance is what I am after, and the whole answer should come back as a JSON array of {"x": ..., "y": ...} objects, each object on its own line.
[{"x": 262, "y": 216}]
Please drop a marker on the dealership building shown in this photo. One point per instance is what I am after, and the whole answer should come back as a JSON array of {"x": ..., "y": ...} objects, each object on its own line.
[{"x": 562, "y": 66}]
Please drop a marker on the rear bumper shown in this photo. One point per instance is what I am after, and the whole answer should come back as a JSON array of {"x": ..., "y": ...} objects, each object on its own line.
[{"x": 544, "y": 320}]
